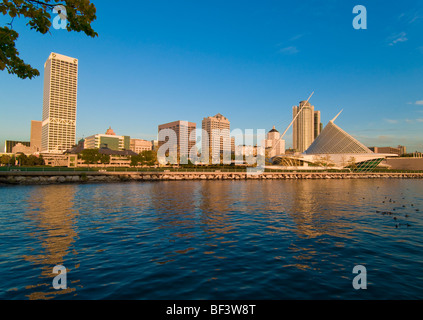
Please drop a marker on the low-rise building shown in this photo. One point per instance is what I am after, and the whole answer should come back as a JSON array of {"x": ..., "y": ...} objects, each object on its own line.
[
  {"x": 399, "y": 151},
  {"x": 273, "y": 144},
  {"x": 20, "y": 148},
  {"x": 8, "y": 145},
  {"x": 139, "y": 145},
  {"x": 108, "y": 140}
]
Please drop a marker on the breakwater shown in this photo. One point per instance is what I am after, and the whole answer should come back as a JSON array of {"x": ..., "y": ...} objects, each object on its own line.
[{"x": 43, "y": 178}]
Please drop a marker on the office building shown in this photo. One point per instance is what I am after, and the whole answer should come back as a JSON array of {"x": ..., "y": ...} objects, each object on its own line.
[
  {"x": 36, "y": 130},
  {"x": 138, "y": 145},
  {"x": 399, "y": 151},
  {"x": 108, "y": 140},
  {"x": 183, "y": 130},
  {"x": 59, "y": 103},
  {"x": 273, "y": 144},
  {"x": 20, "y": 148},
  {"x": 9, "y": 145},
  {"x": 218, "y": 129},
  {"x": 307, "y": 127}
]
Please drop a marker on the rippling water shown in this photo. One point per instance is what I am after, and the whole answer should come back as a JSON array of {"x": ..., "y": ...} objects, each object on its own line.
[{"x": 213, "y": 240}]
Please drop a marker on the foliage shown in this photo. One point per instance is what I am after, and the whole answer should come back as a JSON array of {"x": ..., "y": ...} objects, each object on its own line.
[
  {"x": 30, "y": 161},
  {"x": 93, "y": 156},
  {"x": 5, "y": 160},
  {"x": 144, "y": 158},
  {"x": 79, "y": 14}
]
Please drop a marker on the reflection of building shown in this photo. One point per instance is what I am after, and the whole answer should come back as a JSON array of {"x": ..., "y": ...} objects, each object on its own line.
[
  {"x": 36, "y": 129},
  {"x": 108, "y": 140},
  {"x": 307, "y": 127},
  {"x": 218, "y": 129},
  {"x": 138, "y": 145},
  {"x": 183, "y": 130},
  {"x": 334, "y": 148},
  {"x": 59, "y": 104},
  {"x": 53, "y": 216},
  {"x": 274, "y": 145}
]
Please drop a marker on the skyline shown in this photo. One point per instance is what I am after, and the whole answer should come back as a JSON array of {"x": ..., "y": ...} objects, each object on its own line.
[{"x": 171, "y": 63}]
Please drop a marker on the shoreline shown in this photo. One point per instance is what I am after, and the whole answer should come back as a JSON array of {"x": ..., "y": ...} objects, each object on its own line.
[{"x": 46, "y": 178}]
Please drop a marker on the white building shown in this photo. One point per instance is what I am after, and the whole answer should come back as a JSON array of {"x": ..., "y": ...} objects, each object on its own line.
[
  {"x": 306, "y": 127},
  {"x": 59, "y": 103},
  {"x": 219, "y": 136},
  {"x": 334, "y": 148},
  {"x": 139, "y": 145},
  {"x": 274, "y": 145}
]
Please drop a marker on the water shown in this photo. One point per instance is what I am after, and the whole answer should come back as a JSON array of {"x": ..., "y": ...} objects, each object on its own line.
[{"x": 213, "y": 240}]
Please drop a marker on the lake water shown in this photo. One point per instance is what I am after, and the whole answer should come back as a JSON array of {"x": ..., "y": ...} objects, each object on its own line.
[{"x": 213, "y": 240}]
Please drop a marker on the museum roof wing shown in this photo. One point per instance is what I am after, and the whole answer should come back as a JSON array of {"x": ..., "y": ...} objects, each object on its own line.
[{"x": 334, "y": 140}]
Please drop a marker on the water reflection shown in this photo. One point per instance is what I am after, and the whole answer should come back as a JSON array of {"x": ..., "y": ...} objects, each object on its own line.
[
  {"x": 206, "y": 239},
  {"x": 51, "y": 210}
]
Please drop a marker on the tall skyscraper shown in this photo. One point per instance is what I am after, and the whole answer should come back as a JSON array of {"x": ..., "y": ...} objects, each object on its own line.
[
  {"x": 218, "y": 129},
  {"x": 318, "y": 126},
  {"x": 36, "y": 129},
  {"x": 59, "y": 104},
  {"x": 307, "y": 127}
]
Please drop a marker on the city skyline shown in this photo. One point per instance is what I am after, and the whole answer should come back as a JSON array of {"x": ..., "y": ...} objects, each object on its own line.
[{"x": 251, "y": 72}]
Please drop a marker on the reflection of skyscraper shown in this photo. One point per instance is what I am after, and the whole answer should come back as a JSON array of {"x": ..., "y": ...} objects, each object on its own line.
[
  {"x": 307, "y": 127},
  {"x": 59, "y": 104},
  {"x": 54, "y": 215}
]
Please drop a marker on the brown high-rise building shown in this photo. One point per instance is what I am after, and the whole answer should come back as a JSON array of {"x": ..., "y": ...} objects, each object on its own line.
[{"x": 36, "y": 129}]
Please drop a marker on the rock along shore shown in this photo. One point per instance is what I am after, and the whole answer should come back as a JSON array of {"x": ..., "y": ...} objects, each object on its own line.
[{"x": 45, "y": 178}]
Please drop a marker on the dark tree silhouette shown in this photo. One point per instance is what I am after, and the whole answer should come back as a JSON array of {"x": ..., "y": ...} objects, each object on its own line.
[{"x": 79, "y": 16}]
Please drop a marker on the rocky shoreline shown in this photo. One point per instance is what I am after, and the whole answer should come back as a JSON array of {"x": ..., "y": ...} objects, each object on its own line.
[{"x": 45, "y": 178}]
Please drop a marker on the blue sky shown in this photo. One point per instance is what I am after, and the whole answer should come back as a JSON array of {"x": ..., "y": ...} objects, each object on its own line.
[{"x": 161, "y": 61}]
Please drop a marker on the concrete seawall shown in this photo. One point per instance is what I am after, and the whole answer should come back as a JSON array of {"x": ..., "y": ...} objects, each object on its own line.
[{"x": 44, "y": 178}]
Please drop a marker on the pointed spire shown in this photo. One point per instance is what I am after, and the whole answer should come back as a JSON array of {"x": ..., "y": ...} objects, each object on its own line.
[{"x": 334, "y": 119}]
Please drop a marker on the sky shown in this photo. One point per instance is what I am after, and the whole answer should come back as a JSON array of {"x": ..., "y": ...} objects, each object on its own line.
[{"x": 161, "y": 61}]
